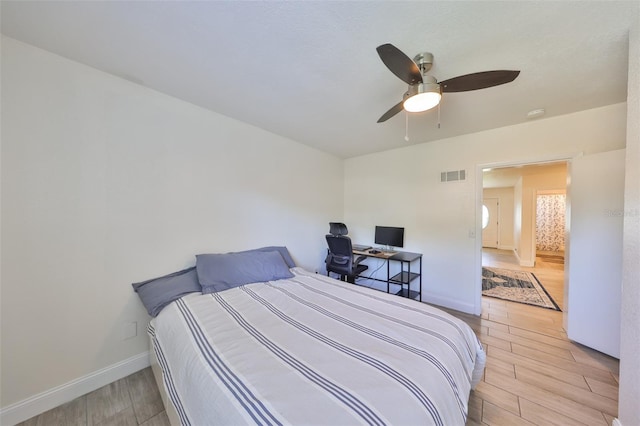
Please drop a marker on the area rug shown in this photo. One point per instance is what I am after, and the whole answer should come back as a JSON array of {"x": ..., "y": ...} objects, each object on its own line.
[{"x": 516, "y": 286}]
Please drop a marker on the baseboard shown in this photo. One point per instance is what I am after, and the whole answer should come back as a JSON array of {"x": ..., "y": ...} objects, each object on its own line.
[
  {"x": 505, "y": 247},
  {"x": 429, "y": 298},
  {"x": 37, "y": 404},
  {"x": 446, "y": 302},
  {"x": 525, "y": 263}
]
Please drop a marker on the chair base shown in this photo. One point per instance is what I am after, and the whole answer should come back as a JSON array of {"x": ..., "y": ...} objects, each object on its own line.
[{"x": 351, "y": 279}]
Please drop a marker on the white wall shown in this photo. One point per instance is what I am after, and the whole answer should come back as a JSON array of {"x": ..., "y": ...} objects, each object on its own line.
[
  {"x": 517, "y": 216},
  {"x": 629, "y": 410},
  {"x": 402, "y": 188},
  {"x": 105, "y": 183}
]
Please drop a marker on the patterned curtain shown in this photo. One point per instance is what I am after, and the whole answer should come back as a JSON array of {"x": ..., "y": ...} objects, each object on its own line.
[{"x": 550, "y": 222}]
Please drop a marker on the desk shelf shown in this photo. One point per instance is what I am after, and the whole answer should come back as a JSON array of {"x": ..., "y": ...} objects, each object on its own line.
[
  {"x": 405, "y": 276},
  {"x": 411, "y": 294}
]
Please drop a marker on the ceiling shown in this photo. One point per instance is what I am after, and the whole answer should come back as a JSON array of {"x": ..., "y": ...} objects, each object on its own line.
[{"x": 309, "y": 70}]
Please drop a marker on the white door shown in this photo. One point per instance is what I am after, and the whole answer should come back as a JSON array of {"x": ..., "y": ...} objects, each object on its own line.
[
  {"x": 490, "y": 222},
  {"x": 594, "y": 286}
]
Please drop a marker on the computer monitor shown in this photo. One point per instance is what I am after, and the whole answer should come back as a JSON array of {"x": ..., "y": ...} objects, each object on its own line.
[{"x": 389, "y": 236}]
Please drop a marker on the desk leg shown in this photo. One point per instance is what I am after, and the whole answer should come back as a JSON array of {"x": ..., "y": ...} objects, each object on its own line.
[
  {"x": 388, "y": 275},
  {"x": 420, "y": 292},
  {"x": 409, "y": 280}
]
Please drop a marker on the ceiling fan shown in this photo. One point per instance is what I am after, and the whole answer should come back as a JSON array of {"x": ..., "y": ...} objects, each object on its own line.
[{"x": 424, "y": 91}]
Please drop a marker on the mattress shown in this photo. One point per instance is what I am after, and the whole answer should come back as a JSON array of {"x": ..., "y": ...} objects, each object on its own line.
[{"x": 314, "y": 350}]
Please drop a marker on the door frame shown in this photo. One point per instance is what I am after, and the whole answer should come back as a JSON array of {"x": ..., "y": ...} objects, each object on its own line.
[{"x": 478, "y": 223}]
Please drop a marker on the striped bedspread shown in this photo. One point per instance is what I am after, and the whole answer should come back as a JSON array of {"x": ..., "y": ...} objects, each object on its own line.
[{"x": 314, "y": 350}]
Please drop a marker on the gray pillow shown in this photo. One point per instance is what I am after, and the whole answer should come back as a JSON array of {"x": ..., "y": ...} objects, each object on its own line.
[
  {"x": 280, "y": 249},
  {"x": 218, "y": 272},
  {"x": 157, "y": 293}
]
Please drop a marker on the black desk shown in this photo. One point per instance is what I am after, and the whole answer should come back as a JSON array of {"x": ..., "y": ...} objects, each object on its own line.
[{"x": 405, "y": 276}]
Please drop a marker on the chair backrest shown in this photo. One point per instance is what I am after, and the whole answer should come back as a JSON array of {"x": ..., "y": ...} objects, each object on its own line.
[
  {"x": 339, "y": 245},
  {"x": 340, "y": 257},
  {"x": 337, "y": 228}
]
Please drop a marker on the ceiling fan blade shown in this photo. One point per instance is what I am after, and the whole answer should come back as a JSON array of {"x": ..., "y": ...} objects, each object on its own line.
[
  {"x": 399, "y": 64},
  {"x": 393, "y": 111},
  {"x": 478, "y": 80}
]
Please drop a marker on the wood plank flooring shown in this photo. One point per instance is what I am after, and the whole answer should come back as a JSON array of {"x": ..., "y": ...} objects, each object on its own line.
[
  {"x": 131, "y": 401},
  {"x": 534, "y": 374}
]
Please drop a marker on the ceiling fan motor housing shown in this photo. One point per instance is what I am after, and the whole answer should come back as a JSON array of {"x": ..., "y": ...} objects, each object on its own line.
[
  {"x": 424, "y": 61},
  {"x": 429, "y": 84}
]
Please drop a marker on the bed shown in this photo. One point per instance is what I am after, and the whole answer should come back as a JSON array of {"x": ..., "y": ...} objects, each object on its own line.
[{"x": 309, "y": 349}]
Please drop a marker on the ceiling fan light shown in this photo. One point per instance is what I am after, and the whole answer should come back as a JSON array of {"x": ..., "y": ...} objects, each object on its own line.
[{"x": 422, "y": 97}]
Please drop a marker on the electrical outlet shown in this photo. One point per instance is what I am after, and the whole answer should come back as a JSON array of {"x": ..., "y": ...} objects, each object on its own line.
[{"x": 129, "y": 330}]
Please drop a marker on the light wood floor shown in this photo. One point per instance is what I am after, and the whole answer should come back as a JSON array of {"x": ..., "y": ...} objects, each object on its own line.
[
  {"x": 534, "y": 374},
  {"x": 131, "y": 401}
]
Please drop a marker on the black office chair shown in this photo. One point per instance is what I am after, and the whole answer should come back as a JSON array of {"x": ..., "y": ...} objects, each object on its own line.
[{"x": 340, "y": 256}]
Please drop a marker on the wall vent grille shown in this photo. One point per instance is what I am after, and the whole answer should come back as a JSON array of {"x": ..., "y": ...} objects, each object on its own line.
[{"x": 453, "y": 176}]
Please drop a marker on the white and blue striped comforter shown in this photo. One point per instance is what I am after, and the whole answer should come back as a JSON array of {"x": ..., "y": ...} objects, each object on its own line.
[{"x": 314, "y": 350}]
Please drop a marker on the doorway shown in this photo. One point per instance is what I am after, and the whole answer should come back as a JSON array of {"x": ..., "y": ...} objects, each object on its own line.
[
  {"x": 592, "y": 276},
  {"x": 530, "y": 203},
  {"x": 551, "y": 207}
]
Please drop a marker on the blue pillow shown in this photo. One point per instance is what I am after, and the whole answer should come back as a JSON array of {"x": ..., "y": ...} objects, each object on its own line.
[
  {"x": 218, "y": 272},
  {"x": 157, "y": 293},
  {"x": 280, "y": 249}
]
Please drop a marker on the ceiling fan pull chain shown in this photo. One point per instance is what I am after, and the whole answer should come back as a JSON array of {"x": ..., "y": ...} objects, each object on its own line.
[
  {"x": 406, "y": 126},
  {"x": 438, "y": 116}
]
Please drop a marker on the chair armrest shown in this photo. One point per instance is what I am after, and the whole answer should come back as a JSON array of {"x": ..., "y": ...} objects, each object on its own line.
[{"x": 359, "y": 259}]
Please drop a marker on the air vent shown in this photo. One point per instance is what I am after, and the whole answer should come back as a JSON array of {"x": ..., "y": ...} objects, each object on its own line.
[{"x": 452, "y": 176}]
